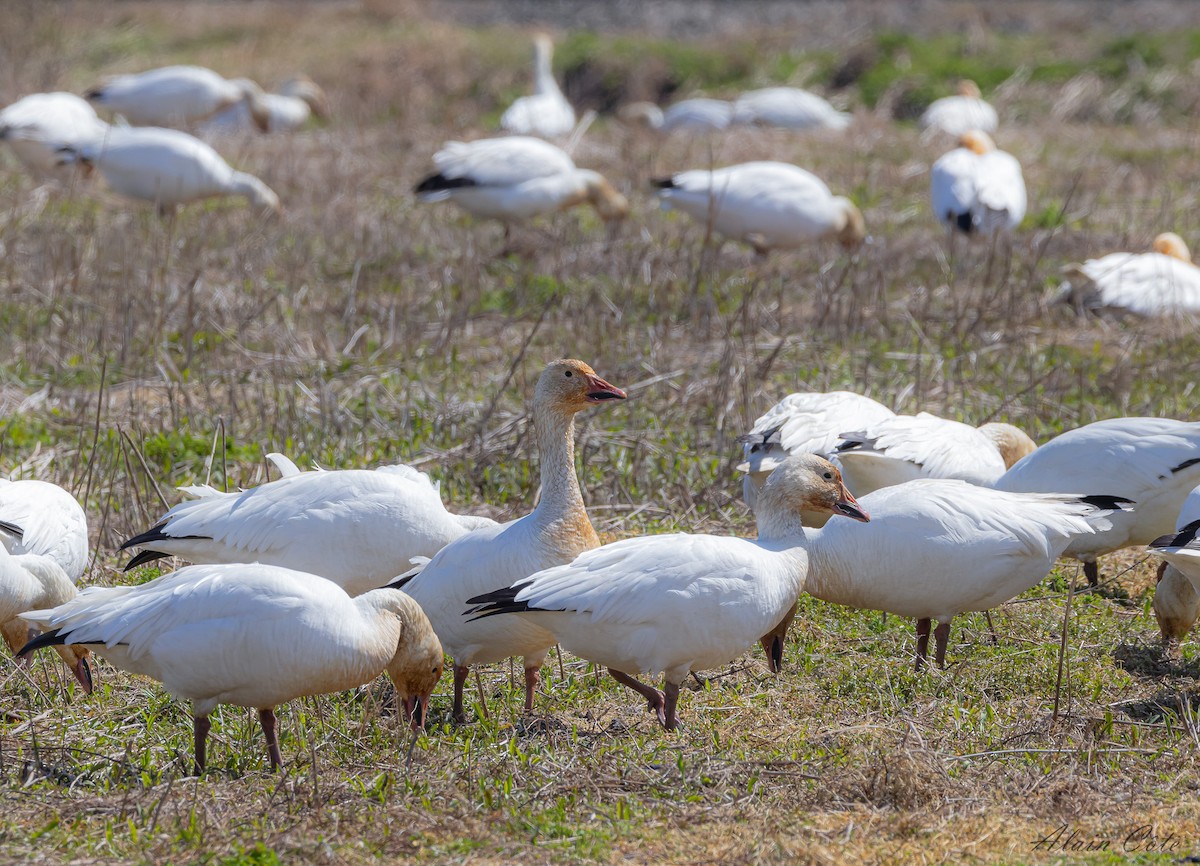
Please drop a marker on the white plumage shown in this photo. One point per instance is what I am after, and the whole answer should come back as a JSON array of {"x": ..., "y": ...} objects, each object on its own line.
[
  {"x": 977, "y": 189},
  {"x": 1153, "y": 461},
  {"x": 765, "y": 204},
  {"x": 297, "y": 100},
  {"x": 167, "y": 167},
  {"x": 37, "y": 125},
  {"x": 1162, "y": 282},
  {"x": 41, "y": 518},
  {"x": 547, "y": 112},
  {"x": 177, "y": 96},
  {"x": 250, "y": 635},
  {"x": 788, "y": 108},
  {"x": 689, "y": 115},
  {"x": 356, "y": 527},
  {"x": 956, "y": 115}
]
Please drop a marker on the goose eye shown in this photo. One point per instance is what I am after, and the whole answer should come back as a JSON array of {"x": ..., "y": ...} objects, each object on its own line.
[
  {"x": 829, "y": 475},
  {"x": 568, "y": 374}
]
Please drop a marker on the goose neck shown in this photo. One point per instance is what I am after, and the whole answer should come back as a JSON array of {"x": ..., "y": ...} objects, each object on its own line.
[{"x": 555, "y": 431}]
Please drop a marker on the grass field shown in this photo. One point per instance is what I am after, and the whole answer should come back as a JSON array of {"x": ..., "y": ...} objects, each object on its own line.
[{"x": 138, "y": 354}]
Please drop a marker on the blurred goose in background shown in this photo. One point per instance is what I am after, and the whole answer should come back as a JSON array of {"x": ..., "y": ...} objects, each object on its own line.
[
  {"x": 554, "y": 533},
  {"x": 356, "y": 527},
  {"x": 1155, "y": 462},
  {"x": 1176, "y": 598},
  {"x": 547, "y": 112},
  {"x": 36, "y": 126},
  {"x": 167, "y": 167},
  {"x": 252, "y": 636},
  {"x": 787, "y": 108},
  {"x": 977, "y": 189},
  {"x": 768, "y": 205},
  {"x": 803, "y": 423},
  {"x": 688, "y": 115},
  {"x": 906, "y": 447},
  {"x": 516, "y": 178},
  {"x": 1162, "y": 282},
  {"x": 297, "y": 100},
  {"x": 957, "y": 115},
  {"x": 178, "y": 96},
  {"x": 677, "y": 603}
]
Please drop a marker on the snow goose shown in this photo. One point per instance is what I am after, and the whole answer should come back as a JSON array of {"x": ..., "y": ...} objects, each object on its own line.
[
  {"x": 936, "y": 548},
  {"x": 906, "y": 447},
  {"x": 955, "y": 115},
  {"x": 787, "y": 108},
  {"x": 804, "y": 422},
  {"x": 554, "y": 533},
  {"x": 767, "y": 205},
  {"x": 356, "y": 527},
  {"x": 977, "y": 189},
  {"x": 167, "y": 167},
  {"x": 1153, "y": 461},
  {"x": 674, "y": 603},
  {"x": 516, "y": 178},
  {"x": 547, "y": 112},
  {"x": 689, "y": 115},
  {"x": 177, "y": 95},
  {"x": 1158, "y": 283},
  {"x": 297, "y": 100},
  {"x": 252, "y": 636},
  {"x": 41, "y": 518},
  {"x": 1176, "y": 600},
  {"x": 37, "y": 125},
  {"x": 29, "y": 581}
]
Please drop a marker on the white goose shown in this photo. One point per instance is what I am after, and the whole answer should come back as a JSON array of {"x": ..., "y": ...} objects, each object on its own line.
[
  {"x": 356, "y": 527},
  {"x": 37, "y": 125},
  {"x": 1162, "y": 282},
  {"x": 555, "y": 532},
  {"x": 674, "y": 603},
  {"x": 1176, "y": 599},
  {"x": 788, "y": 108},
  {"x": 906, "y": 447},
  {"x": 936, "y": 548},
  {"x": 1153, "y": 461},
  {"x": 804, "y": 422},
  {"x": 177, "y": 95},
  {"x": 977, "y": 189},
  {"x": 297, "y": 100},
  {"x": 42, "y": 518},
  {"x": 167, "y": 167},
  {"x": 547, "y": 112},
  {"x": 956, "y": 115},
  {"x": 253, "y": 636},
  {"x": 689, "y": 115},
  {"x": 768, "y": 205},
  {"x": 516, "y": 178}
]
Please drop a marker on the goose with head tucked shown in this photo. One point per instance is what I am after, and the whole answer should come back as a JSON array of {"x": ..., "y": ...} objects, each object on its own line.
[
  {"x": 252, "y": 636},
  {"x": 787, "y": 108},
  {"x": 698, "y": 114},
  {"x": 36, "y": 126},
  {"x": 1162, "y": 282},
  {"x": 546, "y": 112},
  {"x": 977, "y": 189},
  {"x": 956, "y": 115},
  {"x": 177, "y": 96},
  {"x": 299, "y": 99}
]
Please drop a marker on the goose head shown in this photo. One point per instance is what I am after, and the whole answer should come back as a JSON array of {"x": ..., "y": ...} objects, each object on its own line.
[
  {"x": 969, "y": 89},
  {"x": 803, "y": 482},
  {"x": 79, "y": 660},
  {"x": 600, "y": 194},
  {"x": 417, "y": 664},
  {"x": 852, "y": 228},
  {"x": 1010, "y": 441},
  {"x": 568, "y": 386},
  {"x": 977, "y": 141},
  {"x": 641, "y": 114},
  {"x": 1171, "y": 244},
  {"x": 256, "y": 102},
  {"x": 303, "y": 87}
]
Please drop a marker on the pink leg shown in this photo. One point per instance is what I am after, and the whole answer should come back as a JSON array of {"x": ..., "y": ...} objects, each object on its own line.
[
  {"x": 1091, "y": 570},
  {"x": 654, "y": 698},
  {"x": 460, "y": 679},
  {"x": 941, "y": 636},
  {"x": 531, "y": 683},
  {"x": 923, "y": 626},
  {"x": 671, "y": 694},
  {"x": 266, "y": 718},
  {"x": 200, "y": 726}
]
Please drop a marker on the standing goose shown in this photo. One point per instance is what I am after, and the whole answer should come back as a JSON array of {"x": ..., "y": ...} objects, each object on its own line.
[
  {"x": 1176, "y": 599},
  {"x": 356, "y": 527},
  {"x": 787, "y": 108},
  {"x": 768, "y": 205},
  {"x": 167, "y": 167},
  {"x": 554, "y": 533},
  {"x": 297, "y": 100},
  {"x": 906, "y": 447},
  {"x": 1153, "y": 461},
  {"x": 547, "y": 112},
  {"x": 689, "y": 115},
  {"x": 178, "y": 96},
  {"x": 803, "y": 423},
  {"x": 252, "y": 636},
  {"x": 676, "y": 603},
  {"x": 1162, "y": 282},
  {"x": 957, "y": 115},
  {"x": 37, "y": 125},
  {"x": 516, "y": 178},
  {"x": 976, "y": 189}
]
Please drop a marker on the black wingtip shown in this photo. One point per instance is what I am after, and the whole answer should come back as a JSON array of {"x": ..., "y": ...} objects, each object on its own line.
[
  {"x": 94, "y": 93},
  {"x": 144, "y": 557},
  {"x": 438, "y": 182},
  {"x": 500, "y": 601},
  {"x": 401, "y": 581},
  {"x": 45, "y": 639},
  {"x": 12, "y": 529},
  {"x": 1108, "y": 503},
  {"x": 964, "y": 223},
  {"x": 151, "y": 535},
  {"x": 1185, "y": 464},
  {"x": 852, "y": 442},
  {"x": 662, "y": 182}
]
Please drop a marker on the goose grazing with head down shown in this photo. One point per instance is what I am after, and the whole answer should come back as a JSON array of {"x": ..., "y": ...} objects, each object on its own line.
[
  {"x": 956, "y": 115},
  {"x": 297, "y": 100},
  {"x": 675, "y": 603},
  {"x": 37, "y": 125},
  {"x": 1176, "y": 597},
  {"x": 1162, "y": 282},
  {"x": 555, "y": 532},
  {"x": 689, "y": 115},
  {"x": 547, "y": 112},
  {"x": 906, "y": 447},
  {"x": 516, "y": 178},
  {"x": 803, "y": 423},
  {"x": 357, "y": 527},
  {"x": 167, "y": 167},
  {"x": 976, "y": 189},
  {"x": 1154, "y": 462},
  {"x": 252, "y": 636},
  {"x": 177, "y": 96},
  {"x": 768, "y": 205},
  {"x": 787, "y": 108}
]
